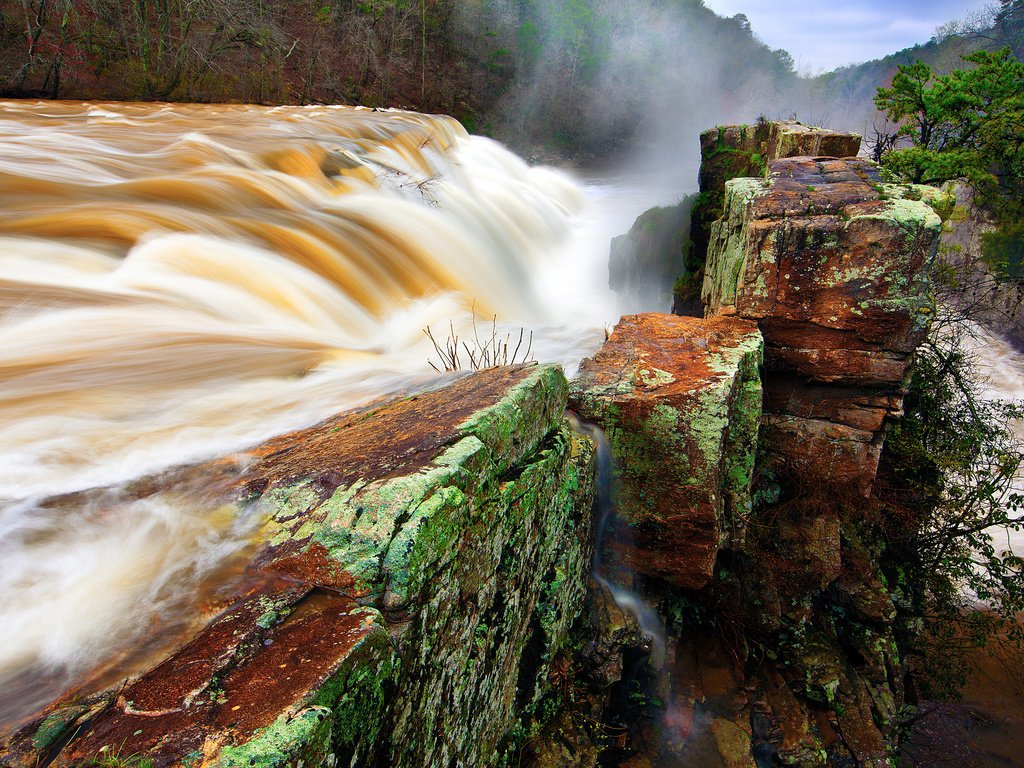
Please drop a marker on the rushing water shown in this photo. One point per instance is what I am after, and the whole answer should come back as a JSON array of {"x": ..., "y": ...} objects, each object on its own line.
[
  {"x": 179, "y": 283},
  {"x": 1001, "y": 369}
]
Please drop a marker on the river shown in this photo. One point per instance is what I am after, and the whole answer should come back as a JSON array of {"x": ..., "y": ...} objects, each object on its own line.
[{"x": 181, "y": 283}]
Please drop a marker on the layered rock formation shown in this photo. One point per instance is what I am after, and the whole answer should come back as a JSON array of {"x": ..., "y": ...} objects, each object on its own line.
[
  {"x": 423, "y": 561},
  {"x": 781, "y": 634},
  {"x": 743, "y": 151},
  {"x": 830, "y": 263},
  {"x": 680, "y": 401}
]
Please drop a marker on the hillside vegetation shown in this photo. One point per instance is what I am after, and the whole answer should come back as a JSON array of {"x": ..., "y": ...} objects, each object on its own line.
[
  {"x": 581, "y": 74},
  {"x": 581, "y": 77}
]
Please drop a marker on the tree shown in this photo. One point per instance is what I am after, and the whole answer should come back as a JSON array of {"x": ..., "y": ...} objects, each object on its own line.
[
  {"x": 949, "y": 502},
  {"x": 1009, "y": 25},
  {"x": 969, "y": 123},
  {"x": 950, "y": 466}
]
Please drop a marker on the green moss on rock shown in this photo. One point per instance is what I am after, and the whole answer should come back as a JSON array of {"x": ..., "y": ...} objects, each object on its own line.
[{"x": 301, "y": 740}]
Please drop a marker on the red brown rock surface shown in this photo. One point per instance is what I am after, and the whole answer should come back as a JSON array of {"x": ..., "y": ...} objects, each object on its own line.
[
  {"x": 830, "y": 263},
  {"x": 452, "y": 524},
  {"x": 679, "y": 399},
  {"x": 731, "y": 151}
]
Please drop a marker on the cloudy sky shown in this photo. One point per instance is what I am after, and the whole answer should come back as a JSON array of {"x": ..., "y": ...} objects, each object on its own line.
[{"x": 825, "y": 35}]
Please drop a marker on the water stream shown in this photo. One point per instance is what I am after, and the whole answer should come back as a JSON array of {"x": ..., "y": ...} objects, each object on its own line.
[{"x": 605, "y": 508}]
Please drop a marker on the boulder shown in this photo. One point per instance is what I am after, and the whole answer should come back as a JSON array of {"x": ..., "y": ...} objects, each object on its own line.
[
  {"x": 422, "y": 562},
  {"x": 830, "y": 262},
  {"x": 740, "y": 151},
  {"x": 680, "y": 401}
]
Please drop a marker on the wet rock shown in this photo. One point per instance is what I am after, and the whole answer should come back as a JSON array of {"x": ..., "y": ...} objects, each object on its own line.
[
  {"x": 830, "y": 263},
  {"x": 265, "y": 682},
  {"x": 856, "y": 724},
  {"x": 783, "y": 721},
  {"x": 612, "y": 630},
  {"x": 680, "y": 400},
  {"x": 733, "y": 742},
  {"x": 423, "y": 562},
  {"x": 565, "y": 743}
]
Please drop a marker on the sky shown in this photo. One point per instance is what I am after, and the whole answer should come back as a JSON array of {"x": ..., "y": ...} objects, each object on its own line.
[{"x": 824, "y": 35}]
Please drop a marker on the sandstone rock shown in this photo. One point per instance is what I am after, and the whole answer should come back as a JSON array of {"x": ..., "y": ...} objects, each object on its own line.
[
  {"x": 811, "y": 547},
  {"x": 267, "y": 681},
  {"x": 785, "y": 722},
  {"x": 565, "y": 744},
  {"x": 680, "y": 400},
  {"x": 731, "y": 151},
  {"x": 733, "y": 742},
  {"x": 857, "y": 726},
  {"x": 424, "y": 560},
  {"x": 830, "y": 263},
  {"x": 735, "y": 151}
]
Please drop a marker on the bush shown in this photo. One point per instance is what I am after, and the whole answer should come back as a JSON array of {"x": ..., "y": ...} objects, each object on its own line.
[{"x": 948, "y": 492}]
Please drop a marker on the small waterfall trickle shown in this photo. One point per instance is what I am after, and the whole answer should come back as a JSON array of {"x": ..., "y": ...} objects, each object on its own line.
[
  {"x": 627, "y": 599},
  {"x": 653, "y": 675}
]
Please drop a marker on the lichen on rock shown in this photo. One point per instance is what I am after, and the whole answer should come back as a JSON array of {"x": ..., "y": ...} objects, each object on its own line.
[
  {"x": 832, "y": 269},
  {"x": 679, "y": 399},
  {"x": 422, "y": 563}
]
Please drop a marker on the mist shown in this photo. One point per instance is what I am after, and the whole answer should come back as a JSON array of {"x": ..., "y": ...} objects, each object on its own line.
[{"x": 638, "y": 81}]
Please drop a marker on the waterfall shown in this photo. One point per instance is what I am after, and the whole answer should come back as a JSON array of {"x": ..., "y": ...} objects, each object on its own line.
[{"x": 182, "y": 282}]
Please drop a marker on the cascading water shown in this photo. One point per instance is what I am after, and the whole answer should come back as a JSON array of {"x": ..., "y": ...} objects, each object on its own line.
[
  {"x": 182, "y": 282},
  {"x": 627, "y": 599}
]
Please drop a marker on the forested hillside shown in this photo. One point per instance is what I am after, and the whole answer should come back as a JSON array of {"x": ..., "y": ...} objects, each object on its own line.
[
  {"x": 576, "y": 77},
  {"x": 581, "y": 73}
]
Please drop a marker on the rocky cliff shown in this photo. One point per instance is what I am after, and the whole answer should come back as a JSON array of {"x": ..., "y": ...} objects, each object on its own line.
[
  {"x": 780, "y": 626},
  {"x": 743, "y": 151},
  {"x": 644, "y": 263},
  {"x": 830, "y": 262},
  {"x": 974, "y": 286}
]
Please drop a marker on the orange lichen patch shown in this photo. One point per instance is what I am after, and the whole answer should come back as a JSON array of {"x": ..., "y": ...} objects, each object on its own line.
[
  {"x": 184, "y": 676},
  {"x": 309, "y": 563},
  {"x": 670, "y": 353}
]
